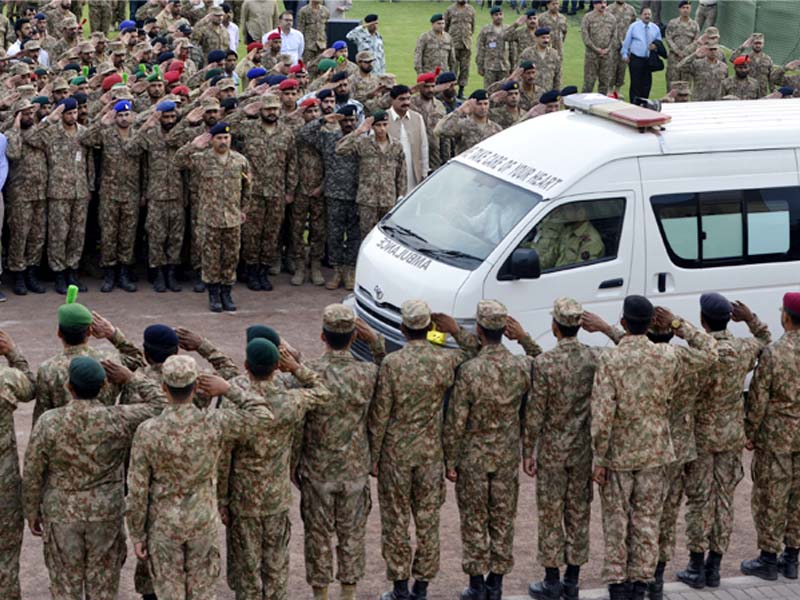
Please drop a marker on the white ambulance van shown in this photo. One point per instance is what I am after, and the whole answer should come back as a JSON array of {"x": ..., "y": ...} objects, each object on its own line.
[{"x": 709, "y": 201}]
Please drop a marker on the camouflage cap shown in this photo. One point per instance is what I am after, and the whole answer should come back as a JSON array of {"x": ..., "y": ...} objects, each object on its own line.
[
  {"x": 106, "y": 69},
  {"x": 123, "y": 92},
  {"x": 32, "y": 45},
  {"x": 59, "y": 84},
  {"x": 758, "y": 37},
  {"x": 567, "y": 312},
  {"x": 492, "y": 314},
  {"x": 26, "y": 91},
  {"x": 142, "y": 47},
  {"x": 99, "y": 36},
  {"x": 416, "y": 314},
  {"x": 210, "y": 104},
  {"x": 117, "y": 48},
  {"x": 387, "y": 79},
  {"x": 226, "y": 83},
  {"x": 337, "y": 318},
  {"x": 69, "y": 22},
  {"x": 365, "y": 55},
  {"x": 286, "y": 59},
  {"x": 23, "y": 104},
  {"x": 712, "y": 32},
  {"x": 216, "y": 10},
  {"x": 270, "y": 101},
  {"x": 179, "y": 371},
  {"x": 85, "y": 47},
  {"x": 681, "y": 88},
  {"x": 20, "y": 68}
]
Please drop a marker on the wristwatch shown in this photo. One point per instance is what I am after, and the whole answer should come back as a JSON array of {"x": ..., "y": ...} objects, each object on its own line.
[{"x": 676, "y": 323}]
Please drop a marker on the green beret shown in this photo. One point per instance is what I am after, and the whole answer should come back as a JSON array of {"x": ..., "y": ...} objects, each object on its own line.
[
  {"x": 437, "y": 17},
  {"x": 155, "y": 77},
  {"x": 78, "y": 80},
  {"x": 325, "y": 64},
  {"x": 86, "y": 372},
  {"x": 264, "y": 332},
  {"x": 262, "y": 353},
  {"x": 211, "y": 73},
  {"x": 74, "y": 315}
]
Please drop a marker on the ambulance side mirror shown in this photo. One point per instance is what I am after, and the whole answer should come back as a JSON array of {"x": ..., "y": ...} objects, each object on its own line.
[{"x": 522, "y": 264}]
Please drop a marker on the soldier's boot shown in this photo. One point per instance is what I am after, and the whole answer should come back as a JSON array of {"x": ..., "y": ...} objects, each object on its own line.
[
  {"x": 214, "y": 301},
  {"x": 125, "y": 279},
  {"x": 252, "y": 278},
  {"x": 569, "y": 587},
  {"x": 712, "y": 568},
  {"x": 109, "y": 279},
  {"x": 316, "y": 273},
  {"x": 420, "y": 590},
  {"x": 348, "y": 591},
  {"x": 31, "y": 282},
  {"x": 399, "y": 591},
  {"x": 476, "y": 589},
  {"x": 494, "y": 586},
  {"x": 617, "y": 591},
  {"x": 19, "y": 284},
  {"x": 72, "y": 279},
  {"x": 225, "y": 296},
  {"x": 336, "y": 279},
  {"x": 60, "y": 283},
  {"x": 198, "y": 285},
  {"x": 655, "y": 589},
  {"x": 548, "y": 589},
  {"x": 263, "y": 278},
  {"x": 763, "y": 567},
  {"x": 639, "y": 590},
  {"x": 787, "y": 563},
  {"x": 159, "y": 285},
  {"x": 695, "y": 573},
  {"x": 461, "y": 92},
  {"x": 149, "y": 597},
  {"x": 349, "y": 278},
  {"x": 289, "y": 266},
  {"x": 275, "y": 269},
  {"x": 172, "y": 279},
  {"x": 299, "y": 277},
  {"x": 320, "y": 593}
]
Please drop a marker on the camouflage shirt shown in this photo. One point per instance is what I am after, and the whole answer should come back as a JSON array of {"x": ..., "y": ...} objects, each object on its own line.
[
  {"x": 432, "y": 112},
  {"x": 548, "y": 68},
  {"x": 16, "y": 385},
  {"x": 746, "y": 88},
  {"x": 119, "y": 177},
  {"x": 505, "y": 117},
  {"x": 459, "y": 22},
  {"x": 599, "y": 31},
  {"x": 679, "y": 36},
  {"x": 272, "y": 153},
  {"x": 492, "y": 52},
  {"x": 312, "y": 24},
  {"x": 67, "y": 166},
  {"x": 557, "y": 24},
  {"x": 433, "y": 51},
  {"x": 382, "y": 170},
  {"x": 707, "y": 77},
  {"x": 211, "y": 37},
  {"x": 27, "y": 169},
  {"x": 465, "y": 131},
  {"x": 761, "y": 67},
  {"x": 341, "y": 171},
  {"x": 625, "y": 15},
  {"x": 164, "y": 181}
]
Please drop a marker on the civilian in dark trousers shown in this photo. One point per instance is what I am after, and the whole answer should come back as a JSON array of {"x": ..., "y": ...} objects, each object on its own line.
[{"x": 639, "y": 42}]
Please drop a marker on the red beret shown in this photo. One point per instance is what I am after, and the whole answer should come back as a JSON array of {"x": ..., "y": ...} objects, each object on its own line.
[
  {"x": 288, "y": 84},
  {"x": 298, "y": 68},
  {"x": 791, "y": 302},
  {"x": 253, "y": 45},
  {"x": 427, "y": 78},
  {"x": 275, "y": 35},
  {"x": 180, "y": 90},
  {"x": 111, "y": 81},
  {"x": 741, "y": 60},
  {"x": 309, "y": 102},
  {"x": 172, "y": 76},
  {"x": 176, "y": 65}
]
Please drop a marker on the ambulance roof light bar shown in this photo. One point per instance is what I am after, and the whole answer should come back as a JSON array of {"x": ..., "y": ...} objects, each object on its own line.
[{"x": 618, "y": 111}]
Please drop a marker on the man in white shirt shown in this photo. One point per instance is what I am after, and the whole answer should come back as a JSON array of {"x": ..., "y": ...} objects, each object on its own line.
[
  {"x": 292, "y": 41},
  {"x": 408, "y": 127},
  {"x": 233, "y": 28}
]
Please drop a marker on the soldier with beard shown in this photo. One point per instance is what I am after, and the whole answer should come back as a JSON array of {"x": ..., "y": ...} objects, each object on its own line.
[
  {"x": 432, "y": 111},
  {"x": 364, "y": 82}
]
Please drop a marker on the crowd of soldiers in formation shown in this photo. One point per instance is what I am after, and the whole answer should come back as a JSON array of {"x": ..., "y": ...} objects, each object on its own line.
[
  {"x": 287, "y": 157},
  {"x": 647, "y": 420}
]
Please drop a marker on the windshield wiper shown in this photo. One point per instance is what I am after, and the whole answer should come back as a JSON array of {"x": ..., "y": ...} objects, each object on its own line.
[
  {"x": 453, "y": 254},
  {"x": 404, "y": 231}
]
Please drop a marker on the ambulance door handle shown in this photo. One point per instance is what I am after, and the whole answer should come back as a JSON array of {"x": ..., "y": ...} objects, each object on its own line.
[
  {"x": 662, "y": 282},
  {"x": 612, "y": 283}
]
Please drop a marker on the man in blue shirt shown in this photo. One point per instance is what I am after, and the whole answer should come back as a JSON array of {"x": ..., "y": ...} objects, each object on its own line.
[{"x": 639, "y": 42}]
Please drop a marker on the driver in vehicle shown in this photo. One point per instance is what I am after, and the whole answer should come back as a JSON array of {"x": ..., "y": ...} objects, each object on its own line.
[{"x": 566, "y": 237}]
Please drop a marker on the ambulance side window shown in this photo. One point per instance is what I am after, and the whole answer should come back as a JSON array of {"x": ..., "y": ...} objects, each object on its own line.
[{"x": 578, "y": 233}]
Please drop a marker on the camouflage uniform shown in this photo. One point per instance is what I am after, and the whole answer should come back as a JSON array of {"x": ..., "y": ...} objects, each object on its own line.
[
  {"x": 625, "y": 15},
  {"x": 382, "y": 176},
  {"x": 746, "y": 88},
  {"x": 679, "y": 36},
  {"x": 761, "y": 68},
  {"x": 100, "y": 15},
  {"x": 706, "y": 77},
  {"x": 119, "y": 191},
  {"x": 224, "y": 188},
  {"x": 308, "y": 208},
  {"x": 631, "y": 439},
  {"x": 771, "y": 422},
  {"x": 211, "y": 37},
  {"x": 719, "y": 434},
  {"x": 340, "y": 187},
  {"x": 557, "y": 24},
  {"x": 459, "y": 22},
  {"x": 503, "y": 116},
  {"x": 73, "y": 483},
  {"x": 26, "y": 201},
  {"x": 464, "y": 131},
  {"x": 312, "y": 24},
  {"x": 433, "y": 51},
  {"x": 548, "y": 69},
  {"x": 598, "y": 31},
  {"x": 15, "y": 387},
  {"x": 520, "y": 38},
  {"x": 492, "y": 56},
  {"x": 432, "y": 112}
]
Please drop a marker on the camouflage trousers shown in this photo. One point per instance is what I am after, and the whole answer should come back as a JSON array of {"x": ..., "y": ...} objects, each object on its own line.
[
  {"x": 711, "y": 480},
  {"x": 463, "y": 57},
  {"x": 165, "y": 226},
  {"x": 368, "y": 217},
  {"x": 195, "y": 235},
  {"x": 487, "y": 504},
  {"x": 84, "y": 558},
  {"x": 404, "y": 491},
  {"x": 775, "y": 498},
  {"x": 66, "y": 229},
  {"x": 101, "y": 15},
  {"x": 706, "y": 16},
  {"x": 631, "y": 505},
  {"x": 11, "y": 527},
  {"x": 340, "y": 508},
  {"x": 261, "y": 230},
  {"x": 344, "y": 235},
  {"x": 673, "y": 72},
  {"x": 306, "y": 209},
  {"x": 618, "y": 68},
  {"x": 597, "y": 68},
  {"x": 260, "y": 551},
  {"x": 564, "y": 502},
  {"x": 27, "y": 227},
  {"x": 220, "y": 254},
  {"x": 491, "y": 76},
  {"x": 117, "y": 231},
  {"x": 674, "y": 484},
  {"x": 184, "y": 570}
]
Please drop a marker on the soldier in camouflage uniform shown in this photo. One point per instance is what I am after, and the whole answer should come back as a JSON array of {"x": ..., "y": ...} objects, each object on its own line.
[
  {"x": 100, "y": 15},
  {"x": 625, "y": 15},
  {"x": 432, "y": 111},
  {"x": 741, "y": 84},
  {"x": 631, "y": 440},
  {"x": 224, "y": 189},
  {"x": 434, "y": 48},
  {"x": 706, "y": 72},
  {"x": 382, "y": 169},
  {"x": 525, "y": 76},
  {"x": 682, "y": 32},
  {"x": 334, "y": 461},
  {"x": 599, "y": 34},
  {"x": 74, "y": 474},
  {"x": 522, "y": 35},
  {"x": 26, "y": 201},
  {"x": 469, "y": 123},
  {"x": 761, "y": 64},
  {"x": 16, "y": 385},
  {"x": 492, "y": 56},
  {"x": 119, "y": 192},
  {"x": 171, "y": 505},
  {"x": 481, "y": 442},
  {"x": 772, "y": 427},
  {"x": 546, "y": 60},
  {"x": 553, "y": 20},
  {"x": 312, "y": 21},
  {"x": 712, "y": 478},
  {"x": 507, "y": 112},
  {"x": 340, "y": 186},
  {"x": 211, "y": 33},
  {"x": 459, "y": 22}
]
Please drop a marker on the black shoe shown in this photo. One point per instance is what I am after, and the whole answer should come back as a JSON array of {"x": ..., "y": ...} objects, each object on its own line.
[
  {"x": 3, "y": 297},
  {"x": 763, "y": 567},
  {"x": 617, "y": 591},
  {"x": 31, "y": 282},
  {"x": 253, "y": 282},
  {"x": 543, "y": 590},
  {"x": 214, "y": 301},
  {"x": 494, "y": 586},
  {"x": 60, "y": 283},
  {"x": 393, "y": 595},
  {"x": 639, "y": 590},
  {"x": 197, "y": 283},
  {"x": 471, "y": 593},
  {"x": 225, "y": 296},
  {"x": 419, "y": 591},
  {"x": 108, "y": 280},
  {"x": 263, "y": 278},
  {"x": 72, "y": 279},
  {"x": 171, "y": 279},
  {"x": 132, "y": 275},
  {"x": 461, "y": 92},
  {"x": 787, "y": 563},
  {"x": 655, "y": 590},
  {"x": 159, "y": 285},
  {"x": 695, "y": 574},
  {"x": 712, "y": 569},
  {"x": 149, "y": 597},
  {"x": 125, "y": 279},
  {"x": 570, "y": 590},
  {"x": 19, "y": 284}
]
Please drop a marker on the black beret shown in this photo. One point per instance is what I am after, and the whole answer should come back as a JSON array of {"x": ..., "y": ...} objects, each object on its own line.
[
  {"x": 72, "y": 67},
  {"x": 262, "y": 353},
  {"x": 479, "y": 95},
  {"x": 68, "y": 103},
  {"x": 216, "y": 56},
  {"x": 637, "y": 308},
  {"x": 371, "y": 18},
  {"x": 527, "y": 65},
  {"x": 510, "y": 85},
  {"x": 229, "y": 103},
  {"x": 161, "y": 336},
  {"x": 263, "y": 331},
  {"x": 541, "y": 31},
  {"x": 339, "y": 76},
  {"x": 551, "y": 96},
  {"x": 716, "y": 306},
  {"x": 683, "y": 3},
  {"x": 494, "y": 10},
  {"x": 399, "y": 90},
  {"x": 348, "y": 110},
  {"x": 531, "y": 13},
  {"x": 165, "y": 56},
  {"x": 86, "y": 372},
  {"x": 80, "y": 98},
  {"x": 326, "y": 93},
  {"x": 446, "y": 77},
  {"x": 437, "y": 17},
  {"x": 569, "y": 90},
  {"x": 220, "y": 128}
]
